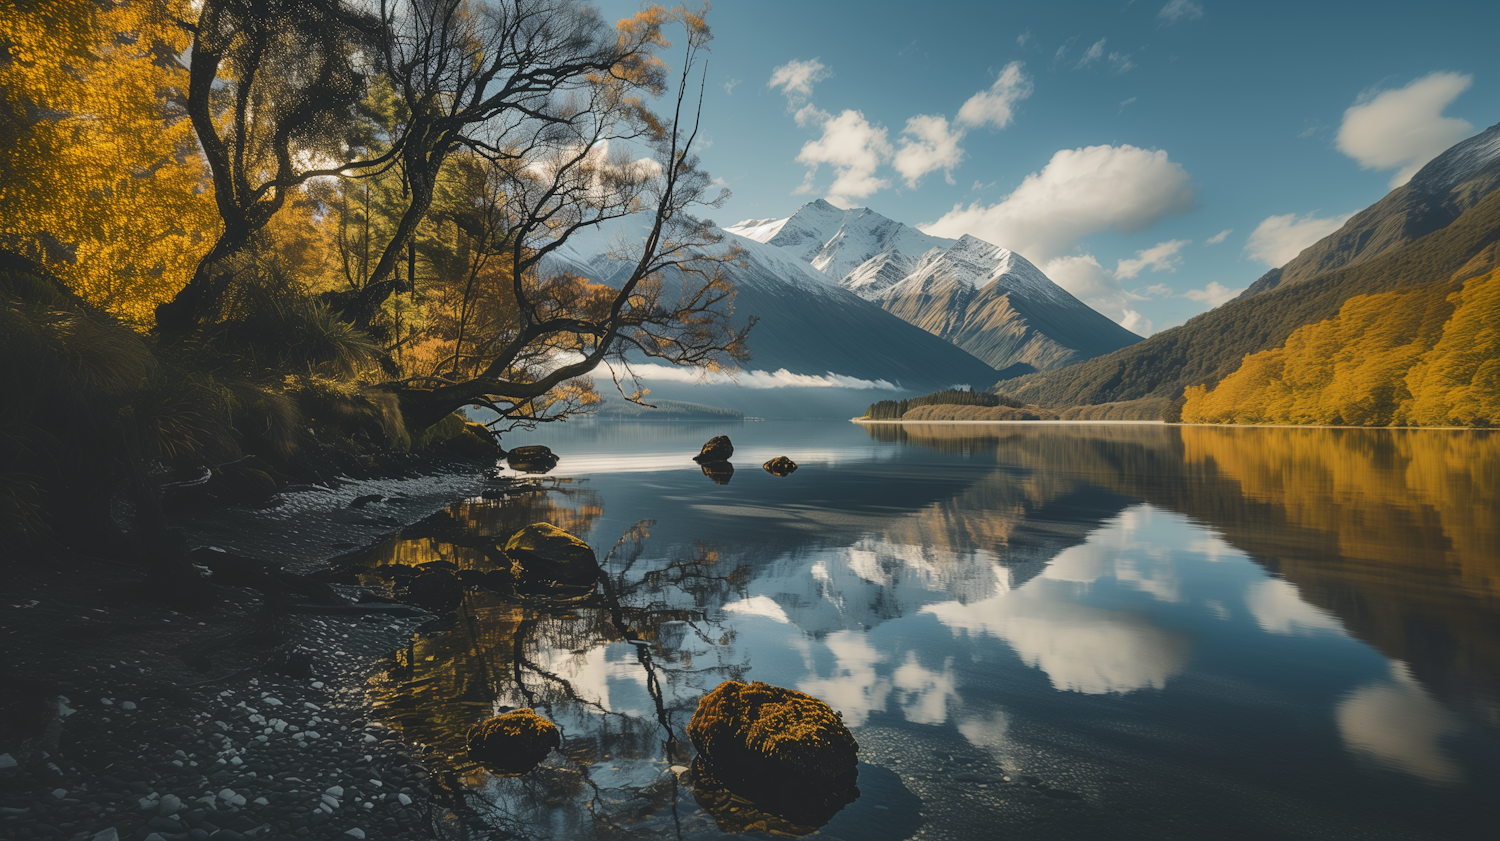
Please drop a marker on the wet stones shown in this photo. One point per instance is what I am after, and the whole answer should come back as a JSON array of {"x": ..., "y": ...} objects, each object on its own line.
[
  {"x": 513, "y": 742},
  {"x": 785, "y": 750},
  {"x": 545, "y": 560},
  {"x": 780, "y": 466},
  {"x": 718, "y": 448}
]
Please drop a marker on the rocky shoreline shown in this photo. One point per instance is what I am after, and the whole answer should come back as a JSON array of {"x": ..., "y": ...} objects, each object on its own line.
[{"x": 124, "y": 718}]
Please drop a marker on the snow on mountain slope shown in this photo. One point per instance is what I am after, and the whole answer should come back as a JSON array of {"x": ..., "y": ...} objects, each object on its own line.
[
  {"x": 858, "y": 248},
  {"x": 807, "y": 324},
  {"x": 985, "y": 299},
  {"x": 1460, "y": 162}
]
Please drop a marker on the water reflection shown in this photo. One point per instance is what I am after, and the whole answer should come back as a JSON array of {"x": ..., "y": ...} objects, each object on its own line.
[{"x": 1034, "y": 630}]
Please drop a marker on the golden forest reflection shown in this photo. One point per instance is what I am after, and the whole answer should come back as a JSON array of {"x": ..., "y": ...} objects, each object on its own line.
[{"x": 1393, "y": 535}]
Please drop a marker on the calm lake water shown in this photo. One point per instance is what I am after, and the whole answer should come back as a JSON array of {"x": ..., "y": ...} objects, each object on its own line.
[{"x": 1033, "y": 630}]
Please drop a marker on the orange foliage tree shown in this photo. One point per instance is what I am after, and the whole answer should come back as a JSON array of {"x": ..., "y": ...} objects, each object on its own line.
[
  {"x": 1428, "y": 356},
  {"x": 100, "y": 175}
]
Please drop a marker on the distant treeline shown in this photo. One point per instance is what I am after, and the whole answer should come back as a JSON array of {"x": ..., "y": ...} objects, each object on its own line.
[{"x": 894, "y": 409}]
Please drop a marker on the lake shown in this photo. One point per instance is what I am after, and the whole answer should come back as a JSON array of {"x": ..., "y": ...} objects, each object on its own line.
[{"x": 1033, "y": 630}]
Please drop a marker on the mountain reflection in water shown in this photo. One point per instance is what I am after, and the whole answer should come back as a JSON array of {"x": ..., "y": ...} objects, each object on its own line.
[{"x": 1034, "y": 630}]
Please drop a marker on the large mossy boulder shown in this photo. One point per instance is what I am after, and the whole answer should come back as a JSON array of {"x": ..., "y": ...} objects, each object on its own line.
[
  {"x": 513, "y": 742},
  {"x": 718, "y": 448},
  {"x": 545, "y": 560},
  {"x": 785, "y": 750}
]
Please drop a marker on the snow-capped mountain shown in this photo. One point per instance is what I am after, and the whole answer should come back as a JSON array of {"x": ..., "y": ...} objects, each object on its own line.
[
  {"x": 806, "y": 322},
  {"x": 986, "y": 299}
]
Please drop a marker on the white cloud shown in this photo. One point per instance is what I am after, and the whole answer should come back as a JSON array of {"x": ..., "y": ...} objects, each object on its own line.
[
  {"x": 1092, "y": 54},
  {"x": 1180, "y": 10},
  {"x": 1404, "y": 128},
  {"x": 1396, "y": 723},
  {"x": 1121, "y": 62},
  {"x": 928, "y": 144},
  {"x": 855, "y": 149},
  {"x": 1136, "y": 323},
  {"x": 1093, "y": 284},
  {"x": 1279, "y": 609},
  {"x": 1277, "y": 239},
  {"x": 796, "y": 79},
  {"x": 1080, "y": 191},
  {"x": 1219, "y": 237},
  {"x": 1080, "y": 648},
  {"x": 1214, "y": 294},
  {"x": 759, "y": 606},
  {"x": 730, "y": 85},
  {"x": 996, "y": 105},
  {"x": 1161, "y": 257}
]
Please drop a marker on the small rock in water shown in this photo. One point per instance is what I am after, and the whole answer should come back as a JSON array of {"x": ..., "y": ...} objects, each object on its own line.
[
  {"x": 356, "y": 832},
  {"x": 780, "y": 466},
  {"x": 718, "y": 448},
  {"x": 127, "y": 705},
  {"x": 403, "y": 799},
  {"x": 336, "y": 791}
]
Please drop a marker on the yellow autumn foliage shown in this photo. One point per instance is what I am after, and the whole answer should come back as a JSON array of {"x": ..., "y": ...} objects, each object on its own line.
[
  {"x": 100, "y": 176},
  {"x": 1428, "y": 356}
]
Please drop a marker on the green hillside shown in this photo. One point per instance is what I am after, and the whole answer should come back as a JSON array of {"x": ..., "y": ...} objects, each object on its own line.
[{"x": 1211, "y": 346}]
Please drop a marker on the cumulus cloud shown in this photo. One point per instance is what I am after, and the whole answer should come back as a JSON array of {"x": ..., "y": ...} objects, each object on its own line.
[
  {"x": 1092, "y": 54},
  {"x": 1279, "y": 609},
  {"x": 928, "y": 143},
  {"x": 1080, "y": 191},
  {"x": 1214, "y": 294},
  {"x": 995, "y": 106},
  {"x": 1161, "y": 257},
  {"x": 1404, "y": 128},
  {"x": 1219, "y": 237},
  {"x": 1397, "y": 724},
  {"x": 1180, "y": 10},
  {"x": 1093, "y": 284},
  {"x": 1278, "y": 239},
  {"x": 855, "y": 148},
  {"x": 796, "y": 78}
]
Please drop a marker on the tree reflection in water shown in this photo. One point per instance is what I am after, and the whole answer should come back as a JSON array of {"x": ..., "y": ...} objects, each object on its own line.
[{"x": 620, "y": 672}]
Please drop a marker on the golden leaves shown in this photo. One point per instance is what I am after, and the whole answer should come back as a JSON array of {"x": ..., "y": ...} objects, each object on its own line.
[{"x": 1418, "y": 357}]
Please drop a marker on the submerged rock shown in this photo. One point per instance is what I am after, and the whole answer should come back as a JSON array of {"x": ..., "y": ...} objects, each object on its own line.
[
  {"x": 544, "y": 559},
  {"x": 785, "y": 750},
  {"x": 718, "y": 448},
  {"x": 780, "y": 466},
  {"x": 513, "y": 742},
  {"x": 719, "y": 471}
]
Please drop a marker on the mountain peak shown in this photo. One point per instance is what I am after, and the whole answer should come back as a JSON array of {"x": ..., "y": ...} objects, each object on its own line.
[{"x": 1462, "y": 161}]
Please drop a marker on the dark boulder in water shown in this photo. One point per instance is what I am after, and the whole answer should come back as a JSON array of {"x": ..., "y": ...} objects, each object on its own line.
[
  {"x": 780, "y": 466},
  {"x": 532, "y": 459},
  {"x": 545, "y": 560},
  {"x": 435, "y": 589},
  {"x": 513, "y": 742},
  {"x": 719, "y": 471},
  {"x": 718, "y": 448},
  {"x": 784, "y": 750}
]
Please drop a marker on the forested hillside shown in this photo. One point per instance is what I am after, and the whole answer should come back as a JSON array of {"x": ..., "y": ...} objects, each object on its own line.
[
  {"x": 1211, "y": 346},
  {"x": 1428, "y": 356}
]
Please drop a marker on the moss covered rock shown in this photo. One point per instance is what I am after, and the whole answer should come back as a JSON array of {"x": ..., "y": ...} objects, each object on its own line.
[
  {"x": 545, "y": 560},
  {"x": 513, "y": 742},
  {"x": 532, "y": 459},
  {"x": 786, "y": 750}
]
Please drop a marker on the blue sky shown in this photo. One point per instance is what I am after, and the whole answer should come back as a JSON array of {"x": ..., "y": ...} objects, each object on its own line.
[{"x": 1193, "y": 117}]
